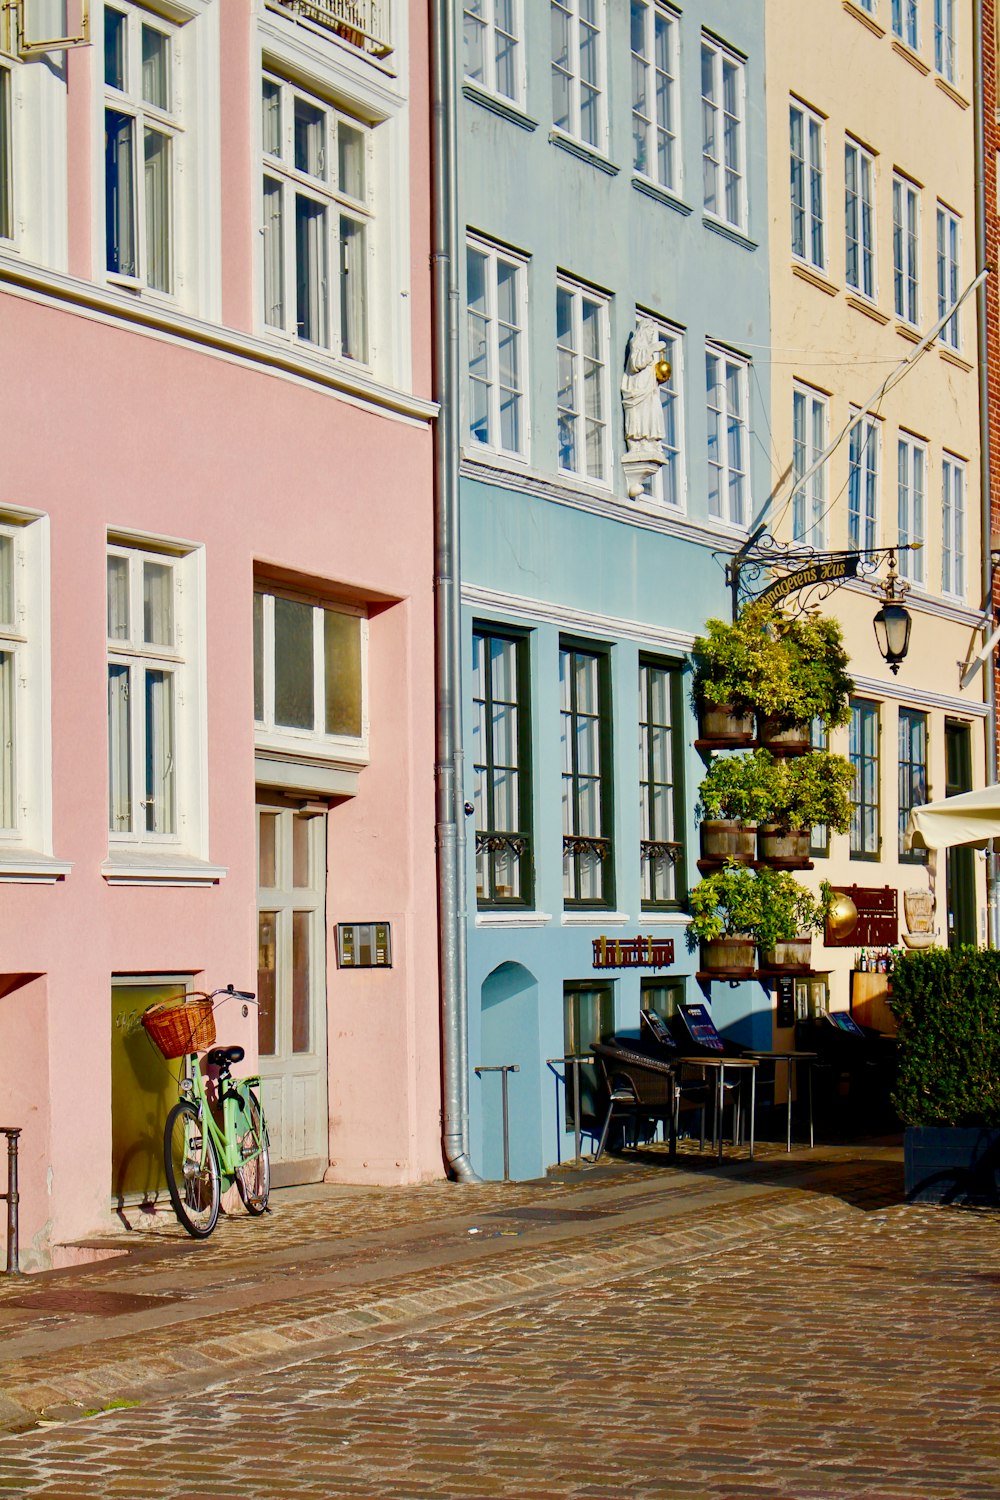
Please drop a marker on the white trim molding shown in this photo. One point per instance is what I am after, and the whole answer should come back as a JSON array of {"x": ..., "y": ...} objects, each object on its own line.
[
  {"x": 582, "y": 621},
  {"x": 901, "y": 692}
]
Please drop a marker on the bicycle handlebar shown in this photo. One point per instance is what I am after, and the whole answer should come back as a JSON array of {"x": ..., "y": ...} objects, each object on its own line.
[{"x": 233, "y": 994}]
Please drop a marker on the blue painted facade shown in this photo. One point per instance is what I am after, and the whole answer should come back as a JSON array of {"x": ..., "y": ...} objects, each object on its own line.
[{"x": 553, "y": 559}]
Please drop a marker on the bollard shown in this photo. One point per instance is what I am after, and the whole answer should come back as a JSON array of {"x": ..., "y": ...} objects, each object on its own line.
[
  {"x": 503, "y": 1069},
  {"x": 12, "y": 1197}
]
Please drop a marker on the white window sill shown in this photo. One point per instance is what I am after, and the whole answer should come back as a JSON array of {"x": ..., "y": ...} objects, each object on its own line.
[
  {"x": 157, "y": 867},
  {"x": 26, "y": 867},
  {"x": 596, "y": 919},
  {"x": 513, "y": 918}
]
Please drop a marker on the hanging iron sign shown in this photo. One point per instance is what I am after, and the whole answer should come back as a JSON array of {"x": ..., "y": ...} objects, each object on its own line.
[{"x": 832, "y": 571}]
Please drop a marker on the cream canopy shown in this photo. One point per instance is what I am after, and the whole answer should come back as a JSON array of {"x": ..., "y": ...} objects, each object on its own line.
[{"x": 971, "y": 818}]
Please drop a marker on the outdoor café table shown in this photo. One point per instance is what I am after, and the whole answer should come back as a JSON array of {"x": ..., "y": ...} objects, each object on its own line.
[
  {"x": 722, "y": 1065},
  {"x": 790, "y": 1059}
]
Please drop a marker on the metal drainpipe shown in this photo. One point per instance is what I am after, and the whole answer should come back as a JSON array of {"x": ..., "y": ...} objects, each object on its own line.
[
  {"x": 984, "y": 408},
  {"x": 449, "y": 781}
]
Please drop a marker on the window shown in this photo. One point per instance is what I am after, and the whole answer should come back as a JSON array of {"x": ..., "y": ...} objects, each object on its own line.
[
  {"x": 948, "y": 244},
  {"x": 905, "y": 249},
  {"x": 859, "y": 213},
  {"x": 661, "y": 806},
  {"x": 911, "y": 489},
  {"x": 500, "y": 758},
  {"x": 12, "y": 644},
  {"x": 25, "y": 724},
  {"x": 6, "y": 166},
  {"x": 496, "y": 291},
  {"x": 809, "y": 424},
  {"x": 585, "y": 735},
  {"x": 661, "y": 996},
  {"x": 904, "y": 22},
  {"x": 309, "y": 668},
  {"x": 588, "y": 1017},
  {"x": 862, "y": 483},
  {"x": 944, "y": 39},
  {"x": 578, "y": 104},
  {"x": 912, "y": 774},
  {"x": 723, "y": 133},
  {"x": 727, "y": 396},
  {"x": 582, "y": 351},
  {"x": 142, "y": 139},
  {"x": 669, "y": 485},
  {"x": 871, "y": 6},
  {"x": 655, "y": 110},
  {"x": 492, "y": 43},
  {"x": 819, "y": 833},
  {"x": 146, "y": 679},
  {"x": 808, "y": 212},
  {"x": 863, "y": 755},
  {"x": 316, "y": 221},
  {"x": 952, "y": 526}
]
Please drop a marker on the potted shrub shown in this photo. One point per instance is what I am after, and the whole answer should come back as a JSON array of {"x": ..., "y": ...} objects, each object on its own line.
[
  {"x": 739, "y": 669},
  {"x": 737, "y": 793},
  {"x": 947, "y": 1093},
  {"x": 736, "y": 910},
  {"x": 806, "y": 790},
  {"x": 818, "y": 684}
]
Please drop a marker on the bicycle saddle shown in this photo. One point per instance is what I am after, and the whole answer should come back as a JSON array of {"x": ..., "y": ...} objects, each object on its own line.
[{"x": 224, "y": 1057}]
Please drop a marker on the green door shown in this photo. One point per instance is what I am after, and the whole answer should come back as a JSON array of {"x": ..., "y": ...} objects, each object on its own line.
[
  {"x": 960, "y": 866},
  {"x": 143, "y": 1090}
]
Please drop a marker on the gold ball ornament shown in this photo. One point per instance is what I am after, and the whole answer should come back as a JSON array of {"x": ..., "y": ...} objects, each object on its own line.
[
  {"x": 843, "y": 916},
  {"x": 662, "y": 371}
]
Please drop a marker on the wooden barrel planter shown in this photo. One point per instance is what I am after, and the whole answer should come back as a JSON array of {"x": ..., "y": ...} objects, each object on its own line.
[
  {"x": 785, "y": 739},
  {"x": 794, "y": 954},
  {"x": 725, "y": 725},
  {"x": 726, "y": 838},
  {"x": 730, "y": 957},
  {"x": 782, "y": 846}
]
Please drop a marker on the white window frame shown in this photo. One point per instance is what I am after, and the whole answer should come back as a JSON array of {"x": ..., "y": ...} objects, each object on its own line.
[
  {"x": 944, "y": 39},
  {"x": 493, "y": 35},
  {"x": 906, "y": 249},
  {"x": 184, "y": 660},
  {"x": 494, "y": 256},
  {"x": 810, "y": 427},
  {"x": 724, "y": 419},
  {"x": 724, "y": 173},
  {"x": 807, "y": 185},
  {"x": 864, "y": 481},
  {"x": 656, "y": 110},
  {"x": 906, "y": 22},
  {"x": 350, "y": 750},
  {"x": 911, "y": 503},
  {"x": 871, "y": 6},
  {"x": 948, "y": 255},
  {"x": 582, "y": 30},
  {"x": 571, "y": 402},
  {"x": 953, "y": 507},
  {"x": 25, "y": 639},
  {"x": 7, "y": 183},
  {"x": 859, "y": 205},
  {"x": 334, "y": 207},
  {"x": 673, "y": 494}
]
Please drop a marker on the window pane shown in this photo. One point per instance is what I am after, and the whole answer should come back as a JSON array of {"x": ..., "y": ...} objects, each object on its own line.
[
  {"x": 310, "y": 140},
  {"x": 258, "y": 657},
  {"x": 301, "y": 961},
  {"x": 159, "y": 752},
  {"x": 274, "y": 255},
  {"x": 351, "y": 161},
  {"x": 267, "y": 971},
  {"x": 118, "y": 599},
  {"x": 156, "y": 148},
  {"x": 311, "y": 271},
  {"x": 119, "y": 185},
  {"x": 155, "y": 68},
  {"x": 267, "y": 863},
  {"x": 353, "y": 330},
  {"x": 301, "y": 850},
  {"x": 115, "y": 51},
  {"x": 6, "y": 212},
  {"x": 119, "y": 750},
  {"x": 8, "y": 813},
  {"x": 294, "y": 699},
  {"x": 342, "y": 656},
  {"x": 271, "y": 116},
  {"x": 157, "y": 604},
  {"x": 6, "y": 580}
]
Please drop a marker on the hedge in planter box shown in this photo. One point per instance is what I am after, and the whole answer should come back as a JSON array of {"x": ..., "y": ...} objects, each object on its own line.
[{"x": 947, "y": 1005}]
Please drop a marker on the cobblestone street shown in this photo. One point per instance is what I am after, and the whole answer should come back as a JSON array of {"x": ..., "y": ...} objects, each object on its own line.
[{"x": 743, "y": 1339}]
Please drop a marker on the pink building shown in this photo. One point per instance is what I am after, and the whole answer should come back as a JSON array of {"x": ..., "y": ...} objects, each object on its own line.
[{"x": 216, "y": 566}]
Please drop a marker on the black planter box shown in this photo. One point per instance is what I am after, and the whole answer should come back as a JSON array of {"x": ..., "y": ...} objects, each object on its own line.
[{"x": 952, "y": 1164}]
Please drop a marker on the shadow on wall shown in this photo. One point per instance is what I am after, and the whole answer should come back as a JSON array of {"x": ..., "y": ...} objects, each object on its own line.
[
  {"x": 24, "y": 1061},
  {"x": 509, "y": 1033}
]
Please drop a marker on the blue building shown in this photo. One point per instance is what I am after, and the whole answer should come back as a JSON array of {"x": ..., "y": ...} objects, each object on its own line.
[{"x": 612, "y": 166}]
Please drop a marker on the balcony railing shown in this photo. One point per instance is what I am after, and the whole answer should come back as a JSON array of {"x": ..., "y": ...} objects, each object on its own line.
[{"x": 364, "y": 23}]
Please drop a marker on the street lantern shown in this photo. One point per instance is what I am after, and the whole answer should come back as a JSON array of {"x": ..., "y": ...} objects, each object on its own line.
[{"x": 892, "y": 633}]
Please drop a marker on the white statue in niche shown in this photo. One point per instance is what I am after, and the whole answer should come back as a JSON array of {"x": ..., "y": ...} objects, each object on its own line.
[{"x": 645, "y": 370}]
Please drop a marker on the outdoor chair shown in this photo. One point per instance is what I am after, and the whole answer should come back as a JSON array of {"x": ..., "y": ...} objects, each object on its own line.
[{"x": 643, "y": 1088}]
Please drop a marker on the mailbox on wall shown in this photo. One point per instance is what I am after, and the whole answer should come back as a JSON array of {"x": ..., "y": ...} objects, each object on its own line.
[{"x": 364, "y": 945}]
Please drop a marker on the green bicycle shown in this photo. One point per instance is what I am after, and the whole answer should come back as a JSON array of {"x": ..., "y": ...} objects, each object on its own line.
[{"x": 205, "y": 1140}]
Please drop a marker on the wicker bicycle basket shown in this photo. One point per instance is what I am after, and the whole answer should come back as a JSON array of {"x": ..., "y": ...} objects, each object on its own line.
[{"x": 178, "y": 1029}]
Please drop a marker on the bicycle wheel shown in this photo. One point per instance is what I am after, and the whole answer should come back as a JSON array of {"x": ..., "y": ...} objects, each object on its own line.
[
  {"x": 253, "y": 1175},
  {"x": 192, "y": 1171}
]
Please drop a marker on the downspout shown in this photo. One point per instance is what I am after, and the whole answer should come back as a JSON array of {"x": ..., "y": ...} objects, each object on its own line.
[
  {"x": 985, "y": 468},
  {"x": 449, "y": 782}
]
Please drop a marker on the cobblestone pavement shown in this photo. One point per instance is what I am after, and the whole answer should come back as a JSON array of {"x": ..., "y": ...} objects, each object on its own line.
[{"x": 855, "y": 1353}]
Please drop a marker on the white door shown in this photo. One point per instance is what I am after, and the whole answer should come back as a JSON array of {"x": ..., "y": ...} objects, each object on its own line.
[{"x": 291, "y": 990}]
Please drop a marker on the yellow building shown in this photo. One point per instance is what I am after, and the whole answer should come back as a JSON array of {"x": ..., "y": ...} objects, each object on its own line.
[{"x": 871, "y": 124}]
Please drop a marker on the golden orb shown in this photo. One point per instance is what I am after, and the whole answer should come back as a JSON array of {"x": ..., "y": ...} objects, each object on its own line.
[
  {"x": 662, "y": 371},
  {"x": 843, "y": 916}
]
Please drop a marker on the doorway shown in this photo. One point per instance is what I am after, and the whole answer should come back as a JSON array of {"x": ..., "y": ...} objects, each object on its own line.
[
  {"x": 960, "y": 865},
  {"x": 291, "y": 991}
]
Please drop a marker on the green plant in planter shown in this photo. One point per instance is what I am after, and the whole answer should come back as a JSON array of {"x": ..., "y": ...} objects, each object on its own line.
[
  {"x": 819, "y": 686},
  {"x": 742, "y": 663},
  {"x": 768, "y": 905},
  {"x": 743, "y": 787},
  {"x": 947, "y": 1007},
  {"x": 810, "y": 789}
]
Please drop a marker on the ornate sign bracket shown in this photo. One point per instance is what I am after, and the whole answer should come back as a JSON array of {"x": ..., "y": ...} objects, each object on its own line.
[{"x": 770, "y": 571}]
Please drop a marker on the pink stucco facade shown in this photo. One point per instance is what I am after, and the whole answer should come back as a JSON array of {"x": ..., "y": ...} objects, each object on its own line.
[{"x": 121, "y": 422}]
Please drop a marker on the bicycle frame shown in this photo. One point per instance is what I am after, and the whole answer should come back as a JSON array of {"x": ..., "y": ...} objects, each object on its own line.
[{"x": 232, "y": 1096}]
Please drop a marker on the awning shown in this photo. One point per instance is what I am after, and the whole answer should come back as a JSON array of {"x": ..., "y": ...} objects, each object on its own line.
[{"x": 971, "y": 818}]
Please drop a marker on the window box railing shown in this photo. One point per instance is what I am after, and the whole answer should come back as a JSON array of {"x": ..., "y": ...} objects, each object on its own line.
[{"x": 363, "y": 23}]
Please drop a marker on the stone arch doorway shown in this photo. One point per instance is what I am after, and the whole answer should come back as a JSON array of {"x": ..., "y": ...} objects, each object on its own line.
[{"x": 509, "y": 1034}]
